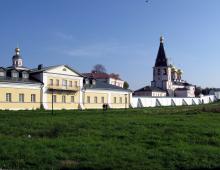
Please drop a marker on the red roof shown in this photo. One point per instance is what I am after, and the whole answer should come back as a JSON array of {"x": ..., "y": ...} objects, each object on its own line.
[{"x": 101, "y": 75}]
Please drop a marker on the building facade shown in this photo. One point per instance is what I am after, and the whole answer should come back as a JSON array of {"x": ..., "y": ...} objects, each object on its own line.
[
  {"x": 55, "y": 87},
  {"x": 112, "y": 79},
  {"x": 167, "y": 78}
]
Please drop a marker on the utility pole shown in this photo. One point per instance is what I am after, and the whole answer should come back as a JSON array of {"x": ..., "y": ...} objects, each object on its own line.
[{"x": 52, "y": 102}]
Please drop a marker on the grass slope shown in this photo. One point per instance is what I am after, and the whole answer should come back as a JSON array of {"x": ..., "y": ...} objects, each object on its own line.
[{"x": 152, "y": 138}]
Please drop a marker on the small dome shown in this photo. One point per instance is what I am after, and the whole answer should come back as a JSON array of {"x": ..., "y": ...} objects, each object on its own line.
[
  {"x": 179, "y": 71},
  {"x": 15, "y": 57},
  {"x": 17, "y": 50},
  {"x": 17, "y": 54}
]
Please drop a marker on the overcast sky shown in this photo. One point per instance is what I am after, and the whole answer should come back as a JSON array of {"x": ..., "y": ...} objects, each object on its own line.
[{"x": 123, "y": 35}]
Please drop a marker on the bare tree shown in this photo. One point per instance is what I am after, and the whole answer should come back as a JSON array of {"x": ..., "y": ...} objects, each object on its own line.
[{"x": 99, "y": 68}]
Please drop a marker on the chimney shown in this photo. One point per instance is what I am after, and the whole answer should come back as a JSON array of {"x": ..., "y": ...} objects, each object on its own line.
[{"x": 40, "y": 66}]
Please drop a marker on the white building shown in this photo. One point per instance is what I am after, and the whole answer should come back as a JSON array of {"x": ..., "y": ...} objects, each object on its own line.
[
  {"x": 167, "y": 78},
  {"x": 112, "y": 79},
  {"x": 215, "y": 92}
]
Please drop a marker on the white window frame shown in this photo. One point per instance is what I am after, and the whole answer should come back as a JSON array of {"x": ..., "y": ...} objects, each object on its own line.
[
  {"x": 103, "y": 99},
  {"x": 8, "y": 97},
  {"x": 63, "y": 99},
  {"x": 88, "y": 99},
  {"x": 95, "y": 99},
  {"x": 72, "y": 99},
  {"x": 21, "y": 97},
  {"x": 33, "y": 98},
  {"x": 54, "y": 98}
]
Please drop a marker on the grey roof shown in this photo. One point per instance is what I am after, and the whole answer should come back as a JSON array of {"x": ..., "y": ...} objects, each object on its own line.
[
  {"x": 161, "y": 60},
  {"x": 182, "y": 83},
  {"x": 18, "y": 80},
  {"x": 181, "y": 89},
  {"x": 216, "y": 89},
  {"x": 100, "y": 85},
  {"x": 16, "y": 56},
  {"x": 16, "y": 68},
  {"x": 149, "y": 88},
  {"x": 8, "y": 78},
  {"x": 36, "y": 70}
]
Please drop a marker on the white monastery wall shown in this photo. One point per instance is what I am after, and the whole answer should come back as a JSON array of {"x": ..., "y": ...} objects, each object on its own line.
[{"x": 170, "y": 101}]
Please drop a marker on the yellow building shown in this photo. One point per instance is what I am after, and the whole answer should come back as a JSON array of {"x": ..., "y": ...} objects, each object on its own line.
[
  {"x": 96, "y": 93},
  {"x": 55, "y": 87},
  {"x": 18, "y": 91},
  {"x": 62, "y": 87}
]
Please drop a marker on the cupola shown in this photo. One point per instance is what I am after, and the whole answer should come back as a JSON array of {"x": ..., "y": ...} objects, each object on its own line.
[{"x": 17, "y": 60}]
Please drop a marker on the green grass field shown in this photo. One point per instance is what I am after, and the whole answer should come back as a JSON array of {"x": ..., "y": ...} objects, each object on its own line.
[{"x": 153, "y": 138}]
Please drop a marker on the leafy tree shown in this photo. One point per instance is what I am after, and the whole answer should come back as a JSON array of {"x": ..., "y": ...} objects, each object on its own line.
[
  {"x": 126, "y": 85},
  {"x": 198, "y": 91},
  {"x": 99, "y": 68}
]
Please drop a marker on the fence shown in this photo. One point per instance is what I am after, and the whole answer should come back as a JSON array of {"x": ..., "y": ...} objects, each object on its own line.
[{"x": 139, "y": 102}]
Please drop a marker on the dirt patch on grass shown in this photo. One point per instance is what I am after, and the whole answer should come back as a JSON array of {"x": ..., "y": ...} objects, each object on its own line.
[{"x": 68, "y": 164}]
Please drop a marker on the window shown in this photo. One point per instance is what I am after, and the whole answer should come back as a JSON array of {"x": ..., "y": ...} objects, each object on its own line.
[
  {"x": 21, "y": 98},
  {"x": 8, "y": 97},
  {"x": 57, "y": 82},
  {"x": 126, "y": 100},
  {"x": 64, "y": 83},
  {"x": 72, "y": 99},
  {"x": 95, "y": 100},
  {"x": 54, "y": 98},
  {"x": 70, "y": 83},
  {"x": 33, "y": 98},
  {"x": 121, "y": 100},
  {"x": 51, "y": 82},
  {"x": 115, "y": 100},
  {"x": 103, "y": 100},
  {"x": 165, "y": 71},
  {"x": 158, "y": 71},
  {"x": 88, "y": 99},
  {"x": 75, "y": 83},
  {"x": 64, "y": 99},
  {"x": 14, "y": 74},
  {"x": 25, "y": 75},
  {"x": 2, "y": 73}
]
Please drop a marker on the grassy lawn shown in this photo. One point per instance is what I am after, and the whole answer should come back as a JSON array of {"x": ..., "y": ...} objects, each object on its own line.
[{"x": 153, "y": 138}]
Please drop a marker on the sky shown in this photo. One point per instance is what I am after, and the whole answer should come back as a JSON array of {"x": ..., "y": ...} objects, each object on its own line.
[{"x": 123, "y": 35}]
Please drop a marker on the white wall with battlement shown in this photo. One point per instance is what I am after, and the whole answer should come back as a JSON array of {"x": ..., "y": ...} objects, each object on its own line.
[{"x": 139, "y": 102}]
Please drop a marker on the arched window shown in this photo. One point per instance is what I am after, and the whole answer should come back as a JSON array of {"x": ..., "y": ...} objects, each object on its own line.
[
  {"x": 158, "y": 71},
  {"x": 165, "y": 71}
]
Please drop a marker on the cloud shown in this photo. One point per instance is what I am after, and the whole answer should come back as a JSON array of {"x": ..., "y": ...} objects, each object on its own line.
[
  {"x": 103, "y": 50},
  {"x": 63, "y": 36}
]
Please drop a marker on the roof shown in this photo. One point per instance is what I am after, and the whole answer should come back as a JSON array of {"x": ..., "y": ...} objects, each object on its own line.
[
  {"x": 149, "y": 88},
  {"x": 16, "y": 56},
  {"x": 100, "y": 85},
  {"x": 182, "y": 83},
  {"x": 161, "y": 60},
  {"x": 19, "y": 80},
  {"x": 181, "y": 89},
  {"x": 37, "y": 70},
  {"x": 17, "y": 68},
  {"x": 100, "y": 75},
  {"x": 216, "y": 89}
]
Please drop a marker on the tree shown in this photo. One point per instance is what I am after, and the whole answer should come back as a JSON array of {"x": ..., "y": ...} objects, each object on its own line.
[
  {"x": 99, "y": 68},
  {"x": 198, "y": 91},
  {"x": 126, "y": 85}
]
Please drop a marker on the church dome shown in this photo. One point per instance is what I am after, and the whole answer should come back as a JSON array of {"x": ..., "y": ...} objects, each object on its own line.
[
  {"x": 17, "y": 54},
  {"x": 179, "y": 71}
]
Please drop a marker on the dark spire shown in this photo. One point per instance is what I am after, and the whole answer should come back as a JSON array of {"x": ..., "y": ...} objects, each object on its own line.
[{"x": 161, "y": 60}]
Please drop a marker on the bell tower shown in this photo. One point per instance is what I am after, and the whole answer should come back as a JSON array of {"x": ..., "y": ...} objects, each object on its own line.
[
  {"x": 17, "y": 60},
  {"x": 162, "y": 69}
]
